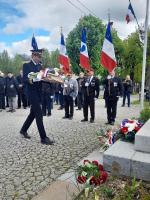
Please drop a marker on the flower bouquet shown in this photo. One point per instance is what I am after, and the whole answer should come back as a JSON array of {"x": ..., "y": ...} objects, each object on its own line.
[
  {"x": 45, "y": 75},
  {"x": 106, "y": 138},
  {"x": 91, "y": 174},
  {"x": 128, "y": 129}
]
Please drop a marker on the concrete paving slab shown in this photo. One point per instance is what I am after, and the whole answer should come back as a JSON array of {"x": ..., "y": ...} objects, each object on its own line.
[
  {"x": 142, "y": 138},
  {"x": 117, "y": 159},
  {"x": 140, "y": 166},
  {"x": 59, "y": 190}
]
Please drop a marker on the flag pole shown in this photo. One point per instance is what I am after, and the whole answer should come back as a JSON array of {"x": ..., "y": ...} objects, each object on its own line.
[{"x": 144, "y": 55}]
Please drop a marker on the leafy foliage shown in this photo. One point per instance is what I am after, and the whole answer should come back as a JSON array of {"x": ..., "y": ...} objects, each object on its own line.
[{"x": 145, "y": 114}]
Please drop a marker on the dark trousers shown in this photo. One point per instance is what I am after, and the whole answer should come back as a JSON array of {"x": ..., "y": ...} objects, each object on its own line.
[
  {"x": 126, "y": 94},
  {"x": 2, "y": 101},
  {"x": 69, "y": 107},
  {"x": 80, "y": 100},
  {"x": 61, "y": 100},
  {"x": 56, "y": 97},
  {"x": 111, "y": 109},
  {"x": 46, "y": 103},
  {"x": 35, "y": 113},
  {"x": 22, "y": 99},
  {"x": 89, "y": 102}
]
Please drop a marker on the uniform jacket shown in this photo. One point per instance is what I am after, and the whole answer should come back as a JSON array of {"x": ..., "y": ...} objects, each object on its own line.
[
  {"x": 2, "y": 85},
  {"x": 71, "y": 88},
  {"x": 80, "y": 80},
  {"x": 34, "y": 87},
  {"x": 48, "y": 88},
  {"x": 113, "y": 88},
  {"x": 91, "y": 87},
  {"x": 127, "y": 86},
  {"x": 11, "y": 87}
]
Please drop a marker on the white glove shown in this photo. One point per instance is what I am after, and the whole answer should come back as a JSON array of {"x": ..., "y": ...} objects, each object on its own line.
[
  {"x": 95, "y": 98},
  {"x": 36, "y": 79},
  {"x": 52, "y": 97}
]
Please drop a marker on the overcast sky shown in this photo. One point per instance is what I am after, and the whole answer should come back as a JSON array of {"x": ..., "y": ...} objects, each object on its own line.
[{"x": 19, "y": 19}]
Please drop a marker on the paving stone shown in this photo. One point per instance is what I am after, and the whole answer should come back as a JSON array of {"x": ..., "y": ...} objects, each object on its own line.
[{"x": 28, "y": 161}]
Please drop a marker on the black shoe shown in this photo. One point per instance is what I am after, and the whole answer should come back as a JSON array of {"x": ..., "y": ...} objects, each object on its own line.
[
  {"x": 25, "y": 134},
  {"x": 47, "y": 141},
  {"x": 13, "y": 110},
  {"x": 78, "y": 109},
  {"x": 49, "y": 114},
  {"x": 70, "y": 117},
  {"x": 91, "y": 120},
  {"x": 65, "y": 117},
  {"x": 84, "y": 120},
  {"x": 9, "y": 110},
  {"x": 25, "y": 107}
]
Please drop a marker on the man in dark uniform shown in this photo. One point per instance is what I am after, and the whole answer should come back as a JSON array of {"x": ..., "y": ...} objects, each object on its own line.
[
  {"x": 113, "y": 89},
  {"x": 90, "y": 88},
  {"x": 21, "y": 92},
  {"x": 34, "y": 95}
]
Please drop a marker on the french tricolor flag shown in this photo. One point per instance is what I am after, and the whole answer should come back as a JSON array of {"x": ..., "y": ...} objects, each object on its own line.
[
  {"x": 84, "y": 58},
  {"x": 130, "y": 15},
  {"x": 63, "y": 57},
  {"x": 108, "y": 59}
]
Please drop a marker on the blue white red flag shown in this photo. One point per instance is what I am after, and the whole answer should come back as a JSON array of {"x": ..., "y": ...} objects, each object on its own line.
[
  {"x": 84, "y": 58},
  {"x": 63, "y": 57},
  {"x": 34, "y": 43},
  {"x": 130, "y": 15},
  {"x": 108, "y": 59}
]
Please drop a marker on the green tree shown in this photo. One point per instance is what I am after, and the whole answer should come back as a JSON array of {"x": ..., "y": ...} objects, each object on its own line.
[
  {"x": 54, "y": 58},
  {"x": 46, "y": 58},
  {"x": 5, "y": 62},
  {"x": 17, "y": 63},
  {"x": 147, "y": 81},
  {"x": 132, "y": 57},
  {"x": 95, "y": 36}
]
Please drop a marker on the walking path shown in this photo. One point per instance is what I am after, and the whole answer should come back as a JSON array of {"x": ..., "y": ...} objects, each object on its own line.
[{"x": 27, "y": 166}]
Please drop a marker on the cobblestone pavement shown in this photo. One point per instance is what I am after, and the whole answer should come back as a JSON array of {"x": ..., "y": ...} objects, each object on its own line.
[{"x": 27, "y": 166}]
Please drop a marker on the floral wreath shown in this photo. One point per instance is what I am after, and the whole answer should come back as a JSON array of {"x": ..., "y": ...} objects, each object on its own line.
[{"x": 91, "y": 173}]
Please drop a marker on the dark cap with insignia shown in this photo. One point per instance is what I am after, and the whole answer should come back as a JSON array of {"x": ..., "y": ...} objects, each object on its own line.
[{"x": 37, "y": 51}]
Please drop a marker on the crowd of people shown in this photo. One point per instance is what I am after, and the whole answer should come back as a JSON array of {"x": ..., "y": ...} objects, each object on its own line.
[{"x": 40, "y": 95}]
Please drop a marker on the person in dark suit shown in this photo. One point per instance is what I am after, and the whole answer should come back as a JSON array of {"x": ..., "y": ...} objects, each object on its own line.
[
  {"x": 34, "y": 95},
  {"x": 90, "y": 88},
  {"x": 127, "y": 89},
  {"x": 21, "y": 93},
  {"x": 2, "y": 91},
  {"x": 47, "y": 97},
  {"x": 113, "y": 89}
]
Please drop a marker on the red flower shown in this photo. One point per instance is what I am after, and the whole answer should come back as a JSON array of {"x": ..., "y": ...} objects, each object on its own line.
[
  {"x": 95, "y": 162},
  {"x": 124, "y": 130},
  {"x": 92, "y": 180},
  {"x": 130, "y": 121},
  {"x": 100, "y": 167},
  {"x": 97, "y": 181},
  {"x": 86, "y": 161},
  {"x": 137, "y": 128},
  {"x": 103, "y": 177},
  {"x": 81, "y": 179}
]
